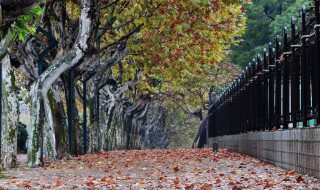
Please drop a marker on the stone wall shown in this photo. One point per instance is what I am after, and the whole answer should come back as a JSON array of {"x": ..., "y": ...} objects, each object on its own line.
[{"x": 296, "y": 149}]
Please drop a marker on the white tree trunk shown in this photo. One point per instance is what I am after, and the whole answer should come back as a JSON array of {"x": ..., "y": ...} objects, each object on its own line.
[
  {"x": 34, "y": 131},
  {"x": 50, "y": 75},
  {"x": 48, "y": 132},
  {"x": 10, "y": 115}
]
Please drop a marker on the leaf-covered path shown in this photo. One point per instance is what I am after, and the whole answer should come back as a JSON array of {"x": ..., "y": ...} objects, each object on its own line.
[{"x": 159, "y": 169}]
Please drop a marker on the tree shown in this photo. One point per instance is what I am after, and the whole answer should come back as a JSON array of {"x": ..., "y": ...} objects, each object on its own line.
[
  {"x": 179, "y": 61},
  {"x": 265, "y": 20},
  {"x": 138, "y": 64}
]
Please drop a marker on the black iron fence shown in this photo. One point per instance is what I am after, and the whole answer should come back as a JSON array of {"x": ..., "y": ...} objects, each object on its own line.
[{"x": 279, "y": 89}]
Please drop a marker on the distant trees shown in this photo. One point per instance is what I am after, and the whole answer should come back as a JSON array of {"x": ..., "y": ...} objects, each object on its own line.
[{"x": 266, "y": 19}]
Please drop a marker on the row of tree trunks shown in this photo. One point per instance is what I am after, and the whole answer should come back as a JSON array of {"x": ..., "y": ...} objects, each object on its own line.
[
  {"x": 119, "y": 124},
  {"x": 83, "y": 46}
]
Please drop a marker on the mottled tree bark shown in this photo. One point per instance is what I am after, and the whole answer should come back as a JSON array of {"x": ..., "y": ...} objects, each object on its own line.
[
  {"x": 59, "y": 121},
  {"x": 10, "y": 115},
  {"x": 83, "y": 46}
]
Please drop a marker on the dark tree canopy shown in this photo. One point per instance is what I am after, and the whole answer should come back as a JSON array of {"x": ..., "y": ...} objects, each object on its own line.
[{"x": 11, "y": 9}]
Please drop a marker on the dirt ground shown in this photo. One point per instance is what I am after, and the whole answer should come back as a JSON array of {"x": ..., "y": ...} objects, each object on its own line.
[{"x": 157, "y": 169}]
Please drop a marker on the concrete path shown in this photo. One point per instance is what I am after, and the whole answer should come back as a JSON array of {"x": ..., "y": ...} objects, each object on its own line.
[{"x": 158, "y": 169}]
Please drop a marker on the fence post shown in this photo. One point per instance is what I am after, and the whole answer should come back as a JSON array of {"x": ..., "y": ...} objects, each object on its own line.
[
  {"x": 294, "y": 77},
  {"x": 238, "y": 104},
  {"x": 271, "y": 87},
  {"x": 232, "y": 104},
  {"x": 70, "y": 109},
  {"x": 0, "y": 113},
  {"x": 259, "y": 93},
  {"x": 71, "y": 102},
  {"x": 285, "y": 108},
  {"x": 265, "y": 87},
  {"x": 254, "y": 92},
  {"x": 278, "y": 83},
  {"x": 84, "y": 125},
  {"x": 305, "y": 88},
  {"x": 317, "y": 59},
  {"x": 249, "y": 96},
  {"x": 241, "y": 102},
  {"x": 228, "y": 113}
]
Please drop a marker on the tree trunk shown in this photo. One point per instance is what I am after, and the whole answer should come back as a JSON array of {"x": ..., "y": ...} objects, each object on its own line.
[
  {"x": 84, "y": 45},
  {"x": 201, "y": 128},
  {"x": 48, "y": 133},
  {"x": 10, "y": 115},
  {"x": 59, "y": 121},
  {"x": 155, "y": 134}
]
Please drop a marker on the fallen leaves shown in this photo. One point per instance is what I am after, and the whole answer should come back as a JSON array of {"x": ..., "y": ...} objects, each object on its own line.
[
  {"x": 176, "y": 169},
  {"x": 269, "y": 184},
  {"x": 90, "y": 183},
  {"x": 206, "y": 187},
  {"x": 160, "y": 169},
  {"x": 58, "y": 183},
  {"x": 217, "y": 181},
  {"x": 104, "y": 179},
  {"x": 299, "y": 179},
  {"x": 27, "y": 186},
  {"x": 176, "y": 181},
  {"x": 290, "y": 172}
]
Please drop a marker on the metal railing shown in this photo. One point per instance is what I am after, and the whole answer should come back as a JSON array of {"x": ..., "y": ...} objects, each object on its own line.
[{"x": 279, "y": 89}]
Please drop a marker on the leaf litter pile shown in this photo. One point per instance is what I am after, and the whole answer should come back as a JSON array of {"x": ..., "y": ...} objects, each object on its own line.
[{"x": 159, "y": 169}]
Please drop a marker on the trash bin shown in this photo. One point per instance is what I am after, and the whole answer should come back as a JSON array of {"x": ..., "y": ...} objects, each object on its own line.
[{"x": 215, "y": 147}]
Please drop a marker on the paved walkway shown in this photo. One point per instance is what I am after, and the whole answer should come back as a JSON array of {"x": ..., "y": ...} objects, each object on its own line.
[{"x": 158, "y": 169}]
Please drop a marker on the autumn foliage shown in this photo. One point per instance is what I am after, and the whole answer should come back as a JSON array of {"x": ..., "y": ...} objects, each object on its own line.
[{"x": 181, "y": 46}]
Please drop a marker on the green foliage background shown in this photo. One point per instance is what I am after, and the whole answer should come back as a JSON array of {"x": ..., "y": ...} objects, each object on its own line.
[{"x": 266, "y": 19}]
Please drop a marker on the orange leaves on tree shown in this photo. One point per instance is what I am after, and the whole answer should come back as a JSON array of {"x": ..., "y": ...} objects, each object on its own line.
[{"x": 175, "y": 45}]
